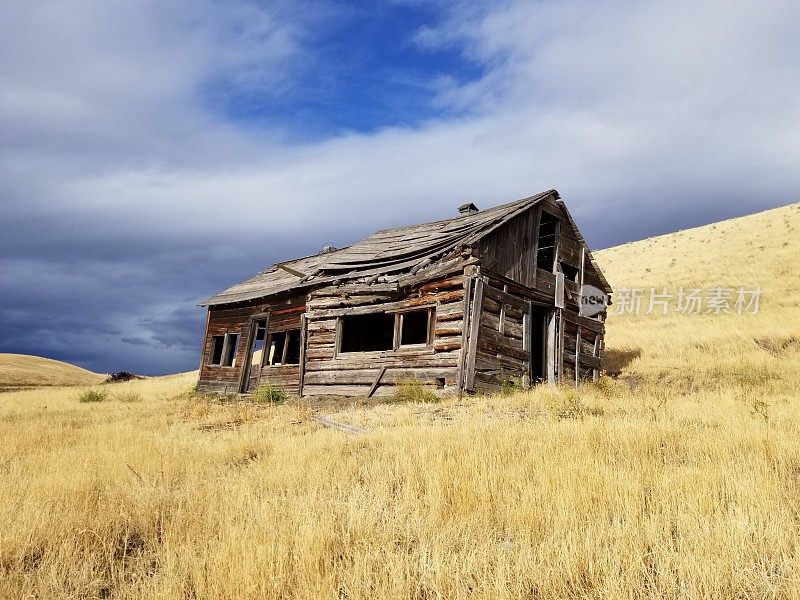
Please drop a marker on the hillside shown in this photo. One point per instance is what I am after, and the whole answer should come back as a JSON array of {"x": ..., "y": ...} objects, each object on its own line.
[
  {"x": 23, "y": 371},
  {"x": 709, "y": 349},
  {"x": 677, "y": 478}
]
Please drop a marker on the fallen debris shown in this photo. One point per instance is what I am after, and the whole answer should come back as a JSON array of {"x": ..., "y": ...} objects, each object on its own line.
[{"x": 329, "y": 422}]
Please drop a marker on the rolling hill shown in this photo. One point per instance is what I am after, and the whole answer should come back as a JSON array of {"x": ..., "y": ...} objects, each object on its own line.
[
  {"x": 710, "y": 344},
  {"x": 24, "y": 371}
]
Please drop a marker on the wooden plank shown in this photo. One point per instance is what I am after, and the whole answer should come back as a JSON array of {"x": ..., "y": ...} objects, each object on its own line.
[
  {"x": 578, "y": 357},
  {"x": 303, "y": 343},
  {"x": 505, "y": 298},
  {"x": 462, "y": 357},
  {"x": 560, "y": 344},
  {"x": 512, "y": 327},
  {"x": 535, "y": 244},
  {"x": 448, "y": 328},
  {"x": 328, "y": 421},
  {"x": 587, "y": 360},
  {"x": 450, "y": 312},
  {"x": 475, "y": 323},
  {"x": 376, "y": 382},
  {"x": 443, "y": 284},
  {"x": 417, "y": 302},
  {"x": 527, "y": 334},
  {"x": 486, "y": 361},
  {"x": 551, "y": 347},
  {"x": 392, "y": 375},
  {"x": 401, "y": 358},
  {"x": 494, "y": 347},
  {"x": 446, "y": 344},
  {"x": 586, "y": 322},
  {"x": 559, "y": 294}
]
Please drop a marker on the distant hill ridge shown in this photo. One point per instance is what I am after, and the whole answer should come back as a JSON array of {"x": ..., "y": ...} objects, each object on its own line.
[{"x": 24, "y": 371}]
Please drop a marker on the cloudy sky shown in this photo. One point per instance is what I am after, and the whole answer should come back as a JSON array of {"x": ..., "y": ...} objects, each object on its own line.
[{"x": 155, "y": 152}]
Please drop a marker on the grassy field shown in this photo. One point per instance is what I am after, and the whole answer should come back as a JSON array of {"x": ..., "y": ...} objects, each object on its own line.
[
  {"x": 679, "y": 478},
  {"x": 21, "y": 371}
]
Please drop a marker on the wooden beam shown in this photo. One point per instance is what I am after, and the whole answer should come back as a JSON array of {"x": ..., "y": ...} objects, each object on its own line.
[
  {"x": 303, "y": 337},
  {"x": 329, "y": 422},
  {"x": 474, "y": 330},
  {"x": 290, "y": 270},
  {"x": 462, "y": 357},
  {"x": 578, "y": 356},
  {"x": 551, "y": 348},
  {"x": 377, "y": 382}
]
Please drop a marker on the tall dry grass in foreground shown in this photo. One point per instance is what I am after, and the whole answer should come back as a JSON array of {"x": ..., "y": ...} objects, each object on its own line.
[{"x": 681, "y": 479}]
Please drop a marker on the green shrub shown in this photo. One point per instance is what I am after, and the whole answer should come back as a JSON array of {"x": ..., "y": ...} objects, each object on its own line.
[
  {"x": 93, "y": 396},
  {"x": 511, "y": 386},
  {"x": 411, "y": 390},
  {"x": 269, "y": 394}
]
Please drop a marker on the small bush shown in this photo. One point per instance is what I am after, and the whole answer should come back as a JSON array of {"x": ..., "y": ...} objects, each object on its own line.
[
  {"x": 128, "y": 397},
  {"x": 411, "y": 390},
  {"x": 93, "y": 396},
  {"x": 269, "y": 394},
  {"x": 511, "y": 386}
]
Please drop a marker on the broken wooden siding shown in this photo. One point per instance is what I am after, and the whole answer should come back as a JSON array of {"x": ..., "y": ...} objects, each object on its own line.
[
  {"x": 328, "y": 371},
  {"x": 502, "y": 347}
]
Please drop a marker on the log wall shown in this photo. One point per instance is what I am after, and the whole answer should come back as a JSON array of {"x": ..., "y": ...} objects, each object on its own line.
[{"x": 330, "y": 372}]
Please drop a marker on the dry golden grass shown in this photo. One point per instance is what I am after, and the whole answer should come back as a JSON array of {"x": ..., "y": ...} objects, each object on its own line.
[
  {"x": 691, "y": 351},
  {"x": 22, "y": 370},
  {"x": 660, "y": 484}
]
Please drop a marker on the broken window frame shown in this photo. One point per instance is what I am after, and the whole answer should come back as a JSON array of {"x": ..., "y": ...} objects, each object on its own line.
[
  {"x": 547, "y": 248},
  {"x": 227, "y": 360},
  {"x": 259, "y": 325},
  {"x": 399, "y": 321},
  {"x": 217, "y": 343},
  {"x": 397, "y": 333},
  {"x": 571, "y": 273},
  {"x": 287, "y": 334}
]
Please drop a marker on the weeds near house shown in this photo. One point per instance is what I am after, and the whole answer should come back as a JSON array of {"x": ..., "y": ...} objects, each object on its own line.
[
  {"x": 269, "y": 394},
  {"x": 411, "y": 390}
]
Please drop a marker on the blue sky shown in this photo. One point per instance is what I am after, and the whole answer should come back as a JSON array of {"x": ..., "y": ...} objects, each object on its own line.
[
  {"x": 368, "y": 73},
  {"x": 155, "y": 152}
]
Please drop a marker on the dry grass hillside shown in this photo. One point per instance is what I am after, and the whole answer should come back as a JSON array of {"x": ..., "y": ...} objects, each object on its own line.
[
  {"x": 678, "y": 479},
  {"x": 21, "y": 371},
  {"x": 686, "y": 351}
]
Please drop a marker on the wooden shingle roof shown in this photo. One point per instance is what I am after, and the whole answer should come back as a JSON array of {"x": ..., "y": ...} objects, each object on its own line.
[{"x": 389, "y": 252}]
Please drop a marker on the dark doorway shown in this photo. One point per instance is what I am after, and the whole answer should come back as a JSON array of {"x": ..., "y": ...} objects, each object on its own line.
[{"x": 539, "y": 318}]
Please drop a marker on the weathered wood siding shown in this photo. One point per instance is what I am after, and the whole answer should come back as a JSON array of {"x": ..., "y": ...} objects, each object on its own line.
[
  {"x": 223, "y": 320},
  {"x": 329, "y": 372},
  {"x": 502, "y": 347},
  {"x": 238, "y": 319},
  {"x": 283, "y": 376}
]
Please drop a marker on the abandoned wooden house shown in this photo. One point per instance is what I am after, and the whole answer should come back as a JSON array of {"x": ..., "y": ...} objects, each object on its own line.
[{"x": 464, "y": 304}]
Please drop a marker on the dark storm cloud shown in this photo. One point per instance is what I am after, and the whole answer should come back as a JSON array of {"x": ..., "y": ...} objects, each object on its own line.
[{"x": 124, "y": 201}]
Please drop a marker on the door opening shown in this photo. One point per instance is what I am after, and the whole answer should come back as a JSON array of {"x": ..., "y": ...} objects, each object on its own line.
[
  {"x": 256, "y": 358},
  {"x": 539, "y": 319}
]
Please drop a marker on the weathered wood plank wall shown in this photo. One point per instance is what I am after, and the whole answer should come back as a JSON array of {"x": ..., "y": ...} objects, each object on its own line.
[{"x": 329, "y": 371}]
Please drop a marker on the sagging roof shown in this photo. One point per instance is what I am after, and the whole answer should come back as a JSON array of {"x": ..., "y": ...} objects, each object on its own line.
[{"x": 386, "y": 254}]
